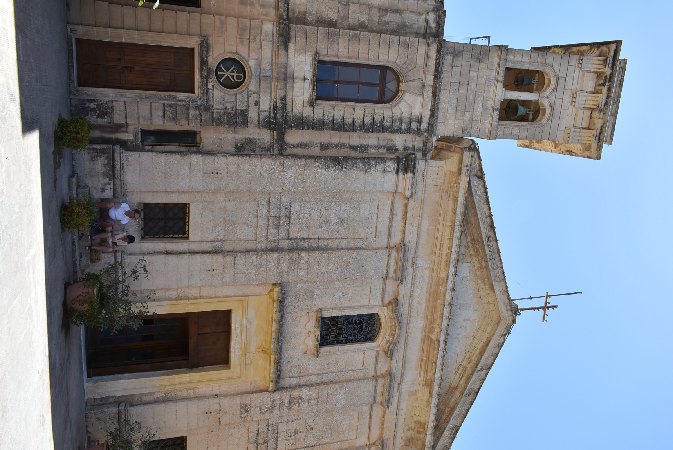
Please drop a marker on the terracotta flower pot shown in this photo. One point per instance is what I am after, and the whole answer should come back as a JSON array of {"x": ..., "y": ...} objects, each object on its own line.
[{"x": 78, "y": 295}]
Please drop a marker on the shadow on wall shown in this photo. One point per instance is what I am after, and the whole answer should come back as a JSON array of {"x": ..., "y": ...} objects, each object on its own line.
[{"x": 42, "y": 56}]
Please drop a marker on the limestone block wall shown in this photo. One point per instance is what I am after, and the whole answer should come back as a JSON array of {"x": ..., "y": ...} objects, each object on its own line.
[
  {"x": 217, "y": 29},
  {"x": 409, "y": 18},
  {"x": 468, "y": 89},
  {"x": 334, "y": 236},
  {"x": 277, "y": 111},
  {"x": 332, "y": 416},
  {"x": 366, "y": 128},
  {"x": 329, "y": 232}
]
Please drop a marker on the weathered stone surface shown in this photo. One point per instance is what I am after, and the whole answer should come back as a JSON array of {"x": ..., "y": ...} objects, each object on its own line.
[{"x": 344, "y": 207}]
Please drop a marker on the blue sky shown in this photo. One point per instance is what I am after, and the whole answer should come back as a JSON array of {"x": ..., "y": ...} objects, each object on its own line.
[{"x": 599, "y": 374}]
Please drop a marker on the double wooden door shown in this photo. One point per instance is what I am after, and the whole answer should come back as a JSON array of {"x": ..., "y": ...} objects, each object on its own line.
[
  {"x": 162, "y": 342},
  {"x": 120, "y": 65}
]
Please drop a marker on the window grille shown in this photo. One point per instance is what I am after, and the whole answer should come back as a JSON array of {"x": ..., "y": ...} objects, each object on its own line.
[
  {"x": 190, "y": 3},
  {"x": 174, "y": 443},
  {"x": 169, "y": 137},
  {"x": 351, "y": 82},
  {"x": 166, "y": 220},
  {"x": 351, "y": 329}
]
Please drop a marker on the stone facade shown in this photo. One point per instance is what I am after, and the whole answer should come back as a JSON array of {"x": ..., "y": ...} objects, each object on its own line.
[{"x": 302, "y": 209}]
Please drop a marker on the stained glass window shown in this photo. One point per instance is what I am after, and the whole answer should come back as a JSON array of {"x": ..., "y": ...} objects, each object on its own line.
[
  {"x": 352, "y": 329},
  {"x": 351, "y": 82}
]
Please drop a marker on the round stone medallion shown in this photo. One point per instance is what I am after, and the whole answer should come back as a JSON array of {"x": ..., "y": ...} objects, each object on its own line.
[{"x": 230, "y": 73}]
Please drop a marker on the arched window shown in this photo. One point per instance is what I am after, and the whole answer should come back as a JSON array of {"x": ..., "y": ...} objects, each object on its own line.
[
  {"x": 351, "y": 329},
  {"x": 520, "y": 111},
  {"x": 351, "y": 82},
  {"x": 524, "y": 80}
]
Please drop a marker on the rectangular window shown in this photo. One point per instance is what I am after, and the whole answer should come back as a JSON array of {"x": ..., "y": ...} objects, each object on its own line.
[
  {"x": 169, "y": 137},
  {"x": 175, "y": 443},
  {"x": 162, "y": 342},
  {"x": 121, "y": 65},
  {"x": 165, "y": 220},
  {"x": 349, "y": 329}
]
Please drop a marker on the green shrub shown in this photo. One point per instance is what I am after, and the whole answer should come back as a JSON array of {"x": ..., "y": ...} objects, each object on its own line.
[
  {"x": 122, "y": 307},
  {"x": 73, "y": 133},
  {"x": 115, "y": 306},
  {"x": 78, "y": 214}
]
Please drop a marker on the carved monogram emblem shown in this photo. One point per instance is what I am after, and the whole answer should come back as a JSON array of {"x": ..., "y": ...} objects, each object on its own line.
[{"x": 230, "y": 73}]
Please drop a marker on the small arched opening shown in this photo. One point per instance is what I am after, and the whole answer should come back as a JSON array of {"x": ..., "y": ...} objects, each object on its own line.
[
  {"x": 524, "y": 80},
  {"x": 520, "y": 111},
  {"x": 353, "y": 82}
]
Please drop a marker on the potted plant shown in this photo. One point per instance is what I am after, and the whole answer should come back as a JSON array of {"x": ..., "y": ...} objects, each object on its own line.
[
  {"x": 115, "y": 306},
  {"x": 83, "y": 301},
  {"x": 73, "y": 133},
  {"x": 122, "y": 307},
  {"x": 77, "y": 214}
]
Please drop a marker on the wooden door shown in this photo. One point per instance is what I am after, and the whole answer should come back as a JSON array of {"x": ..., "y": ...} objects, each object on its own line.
[
  {"x": 210, "y": 334},
  {"x": 120, "y": 65},
  {"x": 162, "y": 342}
]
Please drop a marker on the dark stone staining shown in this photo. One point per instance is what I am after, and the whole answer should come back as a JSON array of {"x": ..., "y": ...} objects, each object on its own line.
[
  {"x": 205, "y": 97},
  {"x": 296, "y": 121},
  {"x": 365, "y": 165},
  {"x": 415, "y": 125},
  {"x": 218, "y": 118},
  {"x": 265, "y": 120},
  {"x": 367, "y": 124},
  {"x": 95, "y": 111},
  {"x": 308, "y": 122},
  {"x": 229, "y": 118},
  {"x": 370, "y": 123},
  {"x": 242, "y": 118},
  {"x": 325, "y": 147},
  {"x": 284, "y": 23},
  {"x": 206, "y": 118},
  {"x": 429, "y": 132},
  {"x": 406, "y": 164},
  {"x": 324, "y": 21},
  {"x": 251, "y": 146},
  {"x": 280, "y": 111},
  {"x": 348, "y": 124},
  {"x": 170, "y": 113},
  {"x": 182, "y": 114},
  {"x": 103, "y": 140}
]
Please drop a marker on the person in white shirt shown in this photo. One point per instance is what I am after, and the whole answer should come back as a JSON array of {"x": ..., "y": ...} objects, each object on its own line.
[{"x": 119, "y": 213}]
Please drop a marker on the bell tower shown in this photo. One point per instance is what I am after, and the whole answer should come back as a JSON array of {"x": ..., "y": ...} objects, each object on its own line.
[{"x": 561, "y": 99}]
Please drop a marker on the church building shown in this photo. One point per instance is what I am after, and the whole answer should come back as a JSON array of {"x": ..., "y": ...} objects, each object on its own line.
[{"x": 315, "y": 219}]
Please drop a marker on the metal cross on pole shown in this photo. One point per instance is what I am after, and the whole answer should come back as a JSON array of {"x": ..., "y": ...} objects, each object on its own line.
[{"x": 546, "y": 306}]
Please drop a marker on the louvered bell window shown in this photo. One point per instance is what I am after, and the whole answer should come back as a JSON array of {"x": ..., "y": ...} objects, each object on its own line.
[{"x": 351, "y": 82}]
